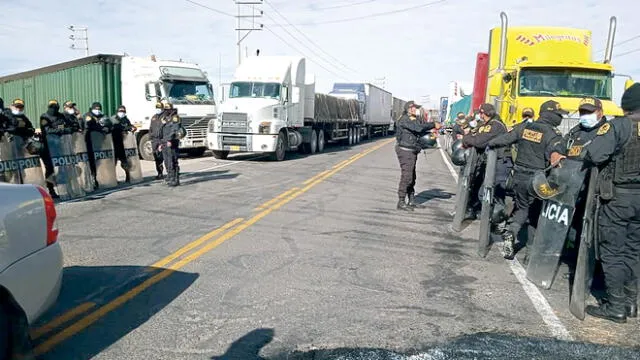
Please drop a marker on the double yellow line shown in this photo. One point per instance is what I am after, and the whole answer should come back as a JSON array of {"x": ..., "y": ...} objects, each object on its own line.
[{"x": 202, "y": 244}]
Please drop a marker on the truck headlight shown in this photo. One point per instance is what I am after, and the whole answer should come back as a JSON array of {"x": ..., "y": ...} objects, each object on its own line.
[
  {"x": 264, "y": 128},
  {"x": 212, "y": 125}
]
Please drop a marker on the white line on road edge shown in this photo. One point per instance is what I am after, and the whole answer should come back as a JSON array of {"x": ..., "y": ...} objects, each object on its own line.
[{"x": 539, "y": 301}]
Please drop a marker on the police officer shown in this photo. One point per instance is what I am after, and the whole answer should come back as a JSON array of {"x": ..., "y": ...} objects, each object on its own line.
[
  {"x": 155, "y": 136},
  {"x": 94, "y": 121},
  {"x": 4, "y": 119},
  {"x": 121, "y": 125},
  {"x": 19, "y": 124},
  {"x": 461, "y": 127},
  {"x": 407, "y": 149},
  {"x": 528, "y": 114},
  {"x": 615, "y": 150},
  {"x": 172, "y": 131},
  {"x": 539, "y": 143},
  {"x": 70, "y": 113},
  {"x": 52, "y": 122}
]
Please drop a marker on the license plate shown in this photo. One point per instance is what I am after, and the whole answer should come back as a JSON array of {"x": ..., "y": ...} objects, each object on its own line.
[{"x": 235, "y": 148}]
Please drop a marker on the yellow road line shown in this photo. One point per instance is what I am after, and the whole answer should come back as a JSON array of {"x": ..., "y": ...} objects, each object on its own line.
[
  {"x": 339, "y": 164},
  {"x": 85, "y": 322},
  {"x": 315, "y": 177},
  {"x": 53, "y": 324},
  {"x": 268, "y": 203}
]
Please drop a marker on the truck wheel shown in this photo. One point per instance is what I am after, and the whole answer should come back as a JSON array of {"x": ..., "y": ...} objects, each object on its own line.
[
  {"x": 314, "y": 142},
  {"x": 5, "y": 333},
  {"x": 358, "y": 135},
  {"x": 280, "y": 152},
  {"x": 320, "y": 140},
  {"x": 368, "y": 132},
  {"x": 196, "y": 152},
  {"x": 350, "y": 134},
  {"x": 221, "y": 155},
  {"x": 145, "y": 149}
]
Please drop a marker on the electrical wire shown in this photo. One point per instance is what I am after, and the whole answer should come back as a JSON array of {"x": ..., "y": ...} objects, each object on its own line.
[
  {"x": 344, "y": 5},
  {"x": 627, "y": 53},
  {"x": 621, "y": 42},
  {"x": 308, "y": 39},
  {"x": 415, "y": 7},
  {"x": 210, "y": 8}
]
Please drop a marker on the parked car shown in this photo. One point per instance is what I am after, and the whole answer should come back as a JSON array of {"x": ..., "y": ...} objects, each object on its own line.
[{"x": 30, "y": 260}]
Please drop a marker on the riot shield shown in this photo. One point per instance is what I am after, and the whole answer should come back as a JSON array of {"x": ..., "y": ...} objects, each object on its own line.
[
  {"x": 83, "y": 171},
  {"x": 487, "y": 198},
  {"x": 64, "y": 163},
  {"x": 133, "y": 160},
  {"x": 23, "y": 167},
  {"x": 104, "y": 156},
  {"x": 554, "y": 222},
  {"x": 464, "y": 190},
  {"x": 586, "y": 262},
  {"x": 7, "y": 156}
]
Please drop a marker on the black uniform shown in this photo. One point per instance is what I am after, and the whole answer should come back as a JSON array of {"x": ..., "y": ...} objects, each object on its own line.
[
  {"x": 170, "y": 140},
  {"x": 155, "y": 136},
  {"x": 20, "y": 125},
  {"x": 407, "y": 149},
  {"x": 120, "y": 127},
  {"x": 94, "y": 123},
  {"x": 52, "y": 123},
  {"x": 536, "y": 141},
  {"x": 616, "y": 150}
]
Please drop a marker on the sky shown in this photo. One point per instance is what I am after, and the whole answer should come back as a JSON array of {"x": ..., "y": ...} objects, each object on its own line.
[{"x": 415, "y": 48}]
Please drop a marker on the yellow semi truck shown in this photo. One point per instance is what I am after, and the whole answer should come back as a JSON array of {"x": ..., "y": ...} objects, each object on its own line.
[{"x": 530, "y": 65}]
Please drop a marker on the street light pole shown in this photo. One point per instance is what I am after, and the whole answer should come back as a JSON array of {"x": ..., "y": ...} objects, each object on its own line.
[{"x": 85, "y": 30}]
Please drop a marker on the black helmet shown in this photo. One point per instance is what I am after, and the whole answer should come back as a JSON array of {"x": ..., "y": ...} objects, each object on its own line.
[
  {"x": 459, "y": 156},
  {"x": 456, "y": 145},
  {"x": 33, "y": 146},
  {"x": 427, "y": 141}
]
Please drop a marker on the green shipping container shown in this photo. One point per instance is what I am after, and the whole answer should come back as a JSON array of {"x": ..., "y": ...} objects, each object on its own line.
[{"x": 83, "y": 81}]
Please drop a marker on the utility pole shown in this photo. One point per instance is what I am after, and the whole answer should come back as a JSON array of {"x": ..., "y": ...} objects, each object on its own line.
[
  {"x": 247, "y": 30},
  {"x": 219, "y": 69},
  {"x": 382, "y": 82},
  {"x": 73, "y": 37}
]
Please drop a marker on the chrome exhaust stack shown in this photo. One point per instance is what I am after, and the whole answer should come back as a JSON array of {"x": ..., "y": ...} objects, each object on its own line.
[{"x": 608, "y": 53}]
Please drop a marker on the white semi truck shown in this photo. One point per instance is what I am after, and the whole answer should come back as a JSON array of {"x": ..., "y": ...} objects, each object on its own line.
[
  {"x": 272, "y": 108},
  {"x": 376, "y": 105}
]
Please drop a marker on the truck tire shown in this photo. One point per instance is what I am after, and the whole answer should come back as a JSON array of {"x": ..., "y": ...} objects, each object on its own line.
[
  {"x": 281, "y": 147},
  {"x": 197, "y": 152},
  {"x": 313, "y": 146},
  {"x": 368, "y": 132},
  {"x": 350, "y": 135},
  {"x": 221, "y": 155},
  {"x": 358, "y": 135},
  {"x": 5, "y": 333},
  {"x": 144, "y": 148},
  {"x": 320, "y": 140}
]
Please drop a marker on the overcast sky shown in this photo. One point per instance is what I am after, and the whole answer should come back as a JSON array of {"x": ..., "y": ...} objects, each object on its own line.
[{"x": 419, "y": 51}]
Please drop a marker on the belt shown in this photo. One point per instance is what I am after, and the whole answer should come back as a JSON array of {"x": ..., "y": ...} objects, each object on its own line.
[
  {"x": 405, "y": 148},
  {"x": 524, "y": 169}
]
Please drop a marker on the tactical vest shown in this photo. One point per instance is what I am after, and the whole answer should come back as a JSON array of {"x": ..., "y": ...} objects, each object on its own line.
[
  {"x": 578, "y": 137},
  {"x": 626, "y": 166}
]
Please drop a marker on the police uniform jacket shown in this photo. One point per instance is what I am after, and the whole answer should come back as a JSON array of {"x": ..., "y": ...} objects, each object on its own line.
[
  {"x": 54, "y": 123},
  {"x": 20, "y": 125},
  {"x": 121, "y": 124},
  {"x": 408, "y": 132},
  {"x": 171, "y": 127},
  {"x": 484, "y": 133},
  {"x": 96, "y": 123},
  {"x": 155, "y": 130},
  {"x": 578, "y": 137},
  {"x": 535, "y": 140}
]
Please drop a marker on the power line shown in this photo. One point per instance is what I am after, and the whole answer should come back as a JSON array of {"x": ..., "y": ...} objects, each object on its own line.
[
  {"x": 344, "y": 5},
  {"x": 627, "y": 53},
  {"x": 373, "y": 15},
  {"x": 308, "y": 39},
  {"x": 622, "y": 42},
  {"x": 210, "y": 8},
  {"x": 291, "y": 46}
]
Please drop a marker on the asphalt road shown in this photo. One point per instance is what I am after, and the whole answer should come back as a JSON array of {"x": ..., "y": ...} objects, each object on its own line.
[{"x": 301, "y": 259}]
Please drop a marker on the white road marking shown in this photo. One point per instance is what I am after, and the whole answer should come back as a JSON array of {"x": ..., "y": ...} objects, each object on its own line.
[{"x": 539, "y": 301}]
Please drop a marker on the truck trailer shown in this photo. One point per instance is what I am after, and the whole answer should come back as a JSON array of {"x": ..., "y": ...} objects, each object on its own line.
[
  {"x": 115, "y": 80},
  {"x": 375, "y": 105},
  {"x": 272, "y": 108},
  {"x": 529, "y": 65}
]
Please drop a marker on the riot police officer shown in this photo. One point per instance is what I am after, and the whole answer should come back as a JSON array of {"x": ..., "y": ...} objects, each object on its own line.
[
  {"x": 52, "y": 122},
  {"x": 94, "y": 121},
  {"x": 155, "y": 136},
  {"x": 19, "y": 124},
  {"x": 461, "y": 127},
  {"x": 70, "y": 113},
  {"x": 407, "y": 149},
  {"x": 539, "y": 142},
  {"x": 121, "y": 125},
  {"x": 4, "y": 119},
  {"x": 172, "y": 131},
  {"x": 528, "y": 114},
  {"x": 615, "y": 150}
]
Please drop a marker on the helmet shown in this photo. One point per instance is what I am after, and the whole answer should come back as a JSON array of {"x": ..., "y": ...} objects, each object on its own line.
[
  {"x": 546, "y": 188},
  {"x": 182, "y": 133},
  {"x": 33, "y": 146},
  {"x": 459, "y": 156},
  {"x": 427, "y": 141},
  {"x": 166, "y": 104},
  {"x": 456, "y": 145}
]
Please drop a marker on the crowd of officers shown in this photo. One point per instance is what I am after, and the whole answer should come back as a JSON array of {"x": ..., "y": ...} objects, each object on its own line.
[
  {"x": 611, "y": 146},
  {"x": 165, "y": 131}
]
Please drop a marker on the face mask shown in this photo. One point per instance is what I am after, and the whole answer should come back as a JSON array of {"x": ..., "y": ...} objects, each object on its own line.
[
  {"x": 16, "y": 112},
  {"x": 121, "y": 114},
  {"x": 473, "y": 123},
  {"x": 589, "y": 120},
  {"x": 96, "y": 112},
  {"x": 477, "y": 117},
  {"x": 158, "y": 111},
  {"x": 71, "y": 111}
]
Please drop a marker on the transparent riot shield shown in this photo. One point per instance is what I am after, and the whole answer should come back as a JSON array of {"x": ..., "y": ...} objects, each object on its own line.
[
  {"x": 83, "y": 170},
  {"x": 586, "y": 262},
  {"x": 464, "y": 189},
  {"x": 64, "y": 160},
  {"x": 7, "y": 164},
  {"x": 104, "y": 156},
  {"x": 484, "y": 238},
  {"x": 554, "y": 221},
  {"x": 26, "y": 166},
  {"x": 133, "y": 159}
]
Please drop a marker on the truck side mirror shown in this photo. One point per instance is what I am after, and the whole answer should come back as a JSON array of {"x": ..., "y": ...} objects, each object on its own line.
[
  {"x": 285, "y": 95},
  {"x": 628, "y": 83},
  {"x": 495, "y": 83}
]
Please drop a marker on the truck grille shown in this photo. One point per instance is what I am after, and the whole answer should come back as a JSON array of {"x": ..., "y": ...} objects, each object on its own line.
[
  {"x": 234, "y": 143},
  {"x": 234, "y": 123},
  {"x": 197, "y": 133},
  {"x": 195, "y": 122}
]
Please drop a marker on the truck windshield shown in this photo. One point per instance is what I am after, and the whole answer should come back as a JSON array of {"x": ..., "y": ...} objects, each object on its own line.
[
  {"x": 565, "y": 83},
  {"x": 254, "y": 89},
  {"x": 189, "y": 92}
]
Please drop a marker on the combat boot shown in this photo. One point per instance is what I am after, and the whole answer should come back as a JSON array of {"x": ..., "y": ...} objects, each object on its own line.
[
  {"x": 613, "y": 310},
  {"x": 52, "y": 191},
  {"x": 403, "y": 206},
  {"x": 127, "y": 176},
  {"x": 412, "y": 202},
  {"x": 631, "y": 297},
  {"x": 508, "y": 241}
]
